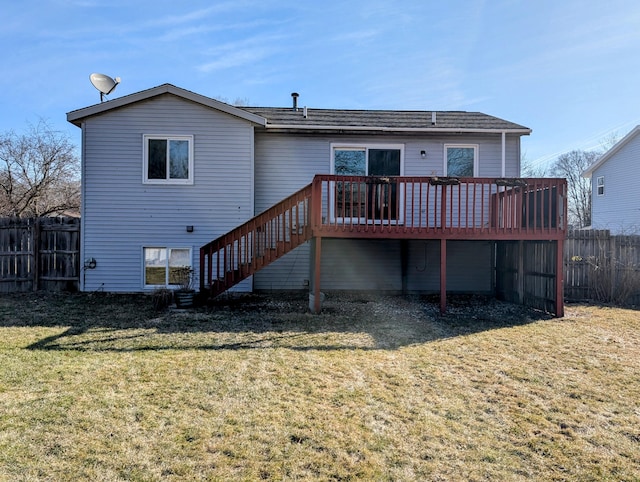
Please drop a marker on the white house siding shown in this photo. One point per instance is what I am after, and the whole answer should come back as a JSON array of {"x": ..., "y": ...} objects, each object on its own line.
[
  {"x": 619, "y": 208},
  {"x": 286, "y": 163},
  {"x": 121, "y": 215}
]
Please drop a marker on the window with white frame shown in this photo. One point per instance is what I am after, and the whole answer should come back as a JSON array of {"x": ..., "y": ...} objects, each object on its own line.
[
  {"x": 168, "y": 159},
  {"x": 461, "y": 160},
  {"x": 372, "y": 201},
  {"x": 600, "y": 185},
  {"x": 163, "y": 266}
]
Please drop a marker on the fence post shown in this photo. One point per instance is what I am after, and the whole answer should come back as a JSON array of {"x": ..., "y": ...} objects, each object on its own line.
[
  {"x": 612, "y": 260},
  {"x": 36, "y": 254}
]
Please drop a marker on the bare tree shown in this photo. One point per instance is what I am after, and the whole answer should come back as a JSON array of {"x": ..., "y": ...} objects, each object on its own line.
[
  {"x": 571, "y": 166},
  {"x": 39, "y": 173},
  {"x": 534, "y": 170},
  {"x": 610, "y": 140}
]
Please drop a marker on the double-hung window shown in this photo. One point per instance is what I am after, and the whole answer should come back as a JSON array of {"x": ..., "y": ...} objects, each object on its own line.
[
  {"x": 461, "y": 160},
  {"x": 162, "y": 266},
  {"x": 600, "y": 185},
  {"x": 377, "y": 199},
  {"x": 168, "y": 159}
]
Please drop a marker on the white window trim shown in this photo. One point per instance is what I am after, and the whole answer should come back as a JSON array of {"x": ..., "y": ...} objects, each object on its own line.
[
  {"x": 475, "y": 148},
  {"x": 144, "y": 274},
  {"x": 598, "y": 186},
  {"x": 145, "y": 158},
  {"x": 366, "y": 146}
]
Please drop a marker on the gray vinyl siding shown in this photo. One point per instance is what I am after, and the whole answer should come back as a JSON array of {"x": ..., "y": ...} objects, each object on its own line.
[
  {"x": 375, "y": 265},
  {"x": 121, "y": 215},
  {"x": 286, "y": 163},
  {"x": 359, "y": 264},
  {"x": 469, "y": 266},
  {"x": 619, "y": 208}
]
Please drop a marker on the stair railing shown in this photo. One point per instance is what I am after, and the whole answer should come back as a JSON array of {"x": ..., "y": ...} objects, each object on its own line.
[{"x": 238, "y": 254}]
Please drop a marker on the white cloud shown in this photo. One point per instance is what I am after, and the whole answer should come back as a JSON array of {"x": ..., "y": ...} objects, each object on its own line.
[{"x": 236, "y": 58}]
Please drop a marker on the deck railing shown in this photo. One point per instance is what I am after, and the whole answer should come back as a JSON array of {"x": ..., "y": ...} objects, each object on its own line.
[
  {"x": 387, "y": 207},
  {"x": 438, "y": 207}
]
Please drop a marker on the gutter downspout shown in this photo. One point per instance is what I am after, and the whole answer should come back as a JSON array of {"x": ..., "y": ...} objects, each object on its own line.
[
  {"x": 83, "y": 202},
  {"x": 504, "y": 155}
]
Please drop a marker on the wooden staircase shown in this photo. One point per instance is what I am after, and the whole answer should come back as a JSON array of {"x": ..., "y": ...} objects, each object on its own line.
[
  {"x": 394, "y": 207},
  {"x": 245, "y": 250}
]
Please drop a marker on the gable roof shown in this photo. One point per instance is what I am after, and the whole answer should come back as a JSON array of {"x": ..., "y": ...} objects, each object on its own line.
[
  {"x": 325, "y": 120},
  {"x": 76, "y": 116},
  {"x": 611, "y": 152}
]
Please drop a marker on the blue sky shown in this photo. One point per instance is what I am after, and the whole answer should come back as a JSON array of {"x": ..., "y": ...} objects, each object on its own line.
[{"x": 568, "y": 69}]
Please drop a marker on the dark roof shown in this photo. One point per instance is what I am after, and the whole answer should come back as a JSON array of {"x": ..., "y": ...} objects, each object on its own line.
[
  {"x": 321, "y": 120},
  {"x": 399, "y": 120}
]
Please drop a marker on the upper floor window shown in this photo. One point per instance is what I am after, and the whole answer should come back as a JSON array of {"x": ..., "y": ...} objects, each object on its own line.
[
  {"x": 600, "y": 185},
  {"x": 375, "y": 201},
  {"x": 168, "y": 159},
  {"x": 461, "y": 160},
  {"x": 374, "y": 160}
]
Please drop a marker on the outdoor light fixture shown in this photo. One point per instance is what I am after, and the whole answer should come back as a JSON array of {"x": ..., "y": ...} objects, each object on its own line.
[{"x": 423, "y": 154}]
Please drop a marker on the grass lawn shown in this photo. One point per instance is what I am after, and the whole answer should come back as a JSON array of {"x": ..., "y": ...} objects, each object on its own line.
[{"x": 101, "y": 387}]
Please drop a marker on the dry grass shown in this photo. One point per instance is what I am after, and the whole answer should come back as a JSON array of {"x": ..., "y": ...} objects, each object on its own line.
[{"x": 101, "y": 387}]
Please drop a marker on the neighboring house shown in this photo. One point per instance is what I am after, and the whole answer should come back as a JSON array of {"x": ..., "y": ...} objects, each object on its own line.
[
  {"x": 392, "y": 201},
  {"x": 615, "y": 192}
]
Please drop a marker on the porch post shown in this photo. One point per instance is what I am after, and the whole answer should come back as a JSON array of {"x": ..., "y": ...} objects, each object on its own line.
[
  {"x": 443, "y": 276},
  {"x": 560, "y": 278}
]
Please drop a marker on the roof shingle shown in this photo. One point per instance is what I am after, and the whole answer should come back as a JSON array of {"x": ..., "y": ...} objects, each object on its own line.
[
  {"x": 325, "y": 120},
  {"x": 378, "y": 119}
]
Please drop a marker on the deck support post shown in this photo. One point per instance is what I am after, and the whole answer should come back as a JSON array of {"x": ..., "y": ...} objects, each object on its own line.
[
  {"x": 559, "y": 278},
  {"x": 521, "y": 254},
  {"x": 404, "y": 264},
  {"x": 316, "y": 248},
  {"x": 443, "y": 276}
]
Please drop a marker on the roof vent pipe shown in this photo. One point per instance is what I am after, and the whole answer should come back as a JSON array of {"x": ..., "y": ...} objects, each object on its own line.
[
  {"x": 433, "y": 118},
  {"x": 304, "y": 112},
  {"x": 294, "y": 96}
]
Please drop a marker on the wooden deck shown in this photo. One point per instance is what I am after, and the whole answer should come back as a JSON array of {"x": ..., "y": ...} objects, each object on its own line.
[
  {"x": 438, "y": 208},
  {"x": 395, "y": 207}
]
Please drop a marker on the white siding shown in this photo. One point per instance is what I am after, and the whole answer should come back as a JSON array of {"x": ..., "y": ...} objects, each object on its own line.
[
  {"x": 121, "y": 214},
  {"x": 619, "y": 208},
  {"x": 286, "y": 163}
]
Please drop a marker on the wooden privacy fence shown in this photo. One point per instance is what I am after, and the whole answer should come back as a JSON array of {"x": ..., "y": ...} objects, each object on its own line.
[
  {"x": 526, "y": 274},
  {"x": 602, "y": 267},
  {"x": 39, "y": 254}
]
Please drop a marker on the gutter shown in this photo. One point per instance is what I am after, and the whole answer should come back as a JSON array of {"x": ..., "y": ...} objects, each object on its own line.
[{"x": 523, "y": 131}]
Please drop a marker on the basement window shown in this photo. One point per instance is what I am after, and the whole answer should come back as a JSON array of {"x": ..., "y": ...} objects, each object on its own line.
[
  {"x": 600, "y": 185},
  {"x": 162, "y": 264},
  {"x": 168, "y": 159}
]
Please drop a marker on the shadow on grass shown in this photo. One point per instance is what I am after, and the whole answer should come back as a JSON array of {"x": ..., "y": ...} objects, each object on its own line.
[{"x": 109, "y": 322}]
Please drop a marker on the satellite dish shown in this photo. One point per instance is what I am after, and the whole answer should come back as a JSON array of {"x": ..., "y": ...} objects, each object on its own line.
[{"x": 104, "y": 84}]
